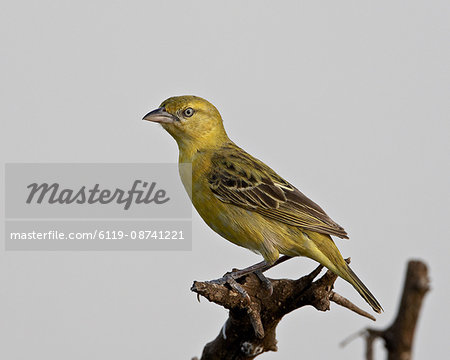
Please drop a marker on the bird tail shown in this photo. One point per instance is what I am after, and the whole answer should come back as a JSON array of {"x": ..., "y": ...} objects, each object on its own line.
[
  {"x": 362, "y": 290},
  {"x": 324, "y": 250}
]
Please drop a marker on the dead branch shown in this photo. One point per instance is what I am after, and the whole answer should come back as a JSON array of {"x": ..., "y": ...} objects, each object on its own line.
[
  {"x": 250, "y": 328},
  {"x": 398, "y": 338}
]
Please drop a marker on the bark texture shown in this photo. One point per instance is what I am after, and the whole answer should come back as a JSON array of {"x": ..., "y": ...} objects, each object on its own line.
[{"x": 250, "y": 329}]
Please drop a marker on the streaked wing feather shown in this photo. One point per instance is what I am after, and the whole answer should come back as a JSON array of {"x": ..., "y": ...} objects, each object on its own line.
[{"x": 238, "y": 178}]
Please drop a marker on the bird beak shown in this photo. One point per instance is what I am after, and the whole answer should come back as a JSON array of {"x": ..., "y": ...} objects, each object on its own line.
[{"x": 160, "y": 116}]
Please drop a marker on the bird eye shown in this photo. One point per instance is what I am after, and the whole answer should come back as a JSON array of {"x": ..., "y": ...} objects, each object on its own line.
[{"x": 188, "y": 112}]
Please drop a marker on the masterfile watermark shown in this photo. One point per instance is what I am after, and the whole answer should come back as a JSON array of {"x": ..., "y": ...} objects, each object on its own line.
[
  {"x": 96, "y": 207},
  {"x": 140, "y": 192}
]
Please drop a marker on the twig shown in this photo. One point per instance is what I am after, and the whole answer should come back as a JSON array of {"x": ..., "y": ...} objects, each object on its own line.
[{"x": 340, "y": 300}]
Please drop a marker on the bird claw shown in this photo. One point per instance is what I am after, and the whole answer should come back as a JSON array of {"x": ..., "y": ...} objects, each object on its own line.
[
  {"x": 258, "y": 269},
  {"x": 230, "y": 279}
]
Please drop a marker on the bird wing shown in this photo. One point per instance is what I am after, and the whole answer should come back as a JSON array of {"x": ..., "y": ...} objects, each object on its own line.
[{"x": 238, "y": 178}]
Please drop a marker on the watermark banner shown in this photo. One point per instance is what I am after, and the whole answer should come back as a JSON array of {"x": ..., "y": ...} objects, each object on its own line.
[
  {"x": 52, "y": 206},
  {"x": 98, "y": 235}
]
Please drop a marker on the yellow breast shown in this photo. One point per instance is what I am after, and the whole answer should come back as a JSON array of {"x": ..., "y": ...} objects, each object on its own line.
[{"x": 240, "y": 226}]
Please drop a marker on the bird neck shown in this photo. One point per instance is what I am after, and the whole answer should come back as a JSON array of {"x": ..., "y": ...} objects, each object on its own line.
[{"x": 208, "y": 142}]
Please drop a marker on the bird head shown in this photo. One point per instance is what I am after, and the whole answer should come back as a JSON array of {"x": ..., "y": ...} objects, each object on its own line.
[{"x": 191, "y": 120}]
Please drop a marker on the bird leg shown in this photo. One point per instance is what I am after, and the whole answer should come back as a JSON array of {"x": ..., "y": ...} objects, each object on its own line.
[
  {"x": 265, "y": 281},
  {"x": 258, "y": 269}
]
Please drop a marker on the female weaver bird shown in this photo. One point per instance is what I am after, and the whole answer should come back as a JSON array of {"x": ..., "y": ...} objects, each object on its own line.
[{"x": 243, "y": 199}]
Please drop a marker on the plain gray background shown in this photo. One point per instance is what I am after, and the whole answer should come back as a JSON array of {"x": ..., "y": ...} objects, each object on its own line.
[{"x": 347, "y": 100}]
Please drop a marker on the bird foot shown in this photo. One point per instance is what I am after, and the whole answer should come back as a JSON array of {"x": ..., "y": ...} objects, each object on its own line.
[
  {"x": 258, "y": 269},
  {"x": 231, "y": 277}
]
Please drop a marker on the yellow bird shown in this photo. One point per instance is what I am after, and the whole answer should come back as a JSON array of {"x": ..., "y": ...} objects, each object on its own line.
[{"x": 243, "y": 199}]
